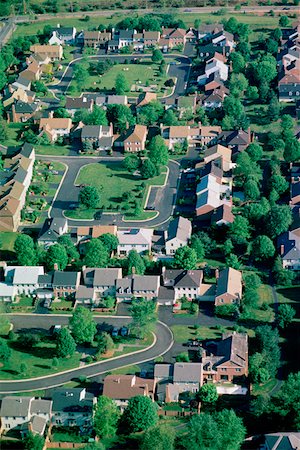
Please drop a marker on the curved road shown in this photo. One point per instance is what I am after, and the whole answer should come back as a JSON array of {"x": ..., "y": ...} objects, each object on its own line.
[
  {"x": 163, "y": 197},
  {"x": 164, "y": 341}
]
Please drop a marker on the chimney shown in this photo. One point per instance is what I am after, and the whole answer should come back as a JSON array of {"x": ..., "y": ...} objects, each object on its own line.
[
  {"x": 83, "y": 268},
  {"x": 133, "y": 270},
  {"x": 163, "y": 269},
  {"x": 217, "y": 273},
  {"x": 51, "y": 114},
  {"x": 55, "y": 266},
  {"x": 281, "y": 249}
]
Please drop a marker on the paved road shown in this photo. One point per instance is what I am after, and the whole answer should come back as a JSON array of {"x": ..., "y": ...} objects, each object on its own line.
[
  {"x": 164, "y": 341},
  {"x": 6, "y": 31},
  {"x": 164, "y": 197}
]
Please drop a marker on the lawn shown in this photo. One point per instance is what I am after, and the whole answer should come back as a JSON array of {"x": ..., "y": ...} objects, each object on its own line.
[
  {"x": 128, "y": 370},
  {"x": 53, "y": 150},
  {"x": 7, "y": 240},
  {"x": 13, "y": 133},
  {"x": 183, "y": 333},
  {"x": 142, "y": 74},
  {"x": 38, "y": 361},
  {"x": 112, "y": 181},
  {"x": 265, "y": 298}
]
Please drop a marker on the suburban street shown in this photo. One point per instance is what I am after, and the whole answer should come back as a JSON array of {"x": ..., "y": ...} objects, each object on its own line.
[
  {"x": 164, "y": 341},
  {"x": 163, "y": 198}
]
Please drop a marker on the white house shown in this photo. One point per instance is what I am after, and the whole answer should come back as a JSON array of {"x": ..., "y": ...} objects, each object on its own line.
[
  {"x": 63, "y": 35},
  {"x": 177, "y": 235},
  {"x": 187, "y": 376},
  {"x": 103, "y": 280},
  {"x": 24, "y": 279},
  {"x": 138, "y": 239}
]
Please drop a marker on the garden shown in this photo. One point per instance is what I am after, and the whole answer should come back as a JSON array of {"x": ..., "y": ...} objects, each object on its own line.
[{"x": 119, "y": 190}]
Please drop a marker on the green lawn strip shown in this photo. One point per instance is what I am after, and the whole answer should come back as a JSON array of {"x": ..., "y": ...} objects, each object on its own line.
[
  {"x": 52, "y": 150},
  {"x": 112, "y": 180},
  {"x": 183, "y": 333},
  {"x": 129, "y": 370},
  {"x": 263, "y": 389},
  {"x": 265, "y": 297},
  {"x": 7, "y": 239},
  {"x": 38, "y": 361},
  {"x": 13, "y": 133},
  {"x": 145, "y": 215}
]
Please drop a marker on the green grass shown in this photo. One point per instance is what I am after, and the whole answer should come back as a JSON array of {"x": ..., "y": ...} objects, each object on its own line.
[
  {"x": 38, "y": 361},
  {"x": 183, "y": 333},
  {"x": 263, "y": 389},
  {"x": 265, "y": 297},
  {"x": 13, "y": 133},
  {"x": 53, "y": 150},
  {"x": 129, "y": 370},
  {"x": 112, "y": 180},
  {"x": 7, "y": 239}
]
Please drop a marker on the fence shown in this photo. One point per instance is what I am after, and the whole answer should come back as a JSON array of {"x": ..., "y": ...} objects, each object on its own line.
[
  {"x": 64, "y": 445},
  {"x": 172, "y": 413}
]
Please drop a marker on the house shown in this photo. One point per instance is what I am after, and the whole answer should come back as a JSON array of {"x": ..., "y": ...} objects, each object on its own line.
[
  {"x": 219, "y": 152},
  {"x": 22, "y": 83},
  {"x": 227, "y": 359},
  {"x": 91, "y": 39},
  {"x": 237, "y": 140},
  {"x": 172, "y": 37},
  {"x": 139, "y": 239},
  {"x": 65, "y": 284},
  {"x": 222, "y": 215},
  {"x": 62, "y": 35},
  {"x": 196, "y": 136},
  {"x": 207, "y": 50},
  {"x": 55, "y": 128},
  {"x": 84, "y": 233},
  {"x": 185, "y": 283},
  {"x": 103, "y": 281},
  {"x": 214, "y": 99},
  {"x": 25, "y": 413},
  {"x": 85, "y": 296},
  {"x": 150, "y": 38},
  {"x": 125, "y": 37},
  {"x": 99, "y": 136},
  {"x": 24, "y": 279},
  {"x": 187, "y": 377},
  {"x": 11, "y": 95},
  {"x": 281, "y": 441},
  {"x": 54, "y": 52},
  {"x": 134, "y": 139},
  {"x": 289, "y": 248},
  {"x": 45, "y": 289},
  {"x": 145, "y": 98},
  {"x": 52, "y": 229},
  {"x": 217, "y": 64},
  {"x": 163, "y": 376},
  {"x": 206, "y": 31},
  {"x": 222, "y": 39},
  {"x": 74, "y": 104},
  {"x": 211, "y": 193},
  {"x": 137, "y": 286},
  {"x": 229, "y": 287},
  {"x": 73, "y": 407},
  {"x": 121, "y": 388},
  {"x": 295, "y": 194},
  {"x": 177, "y": 235},
  {"x": 22, "y": 111}
]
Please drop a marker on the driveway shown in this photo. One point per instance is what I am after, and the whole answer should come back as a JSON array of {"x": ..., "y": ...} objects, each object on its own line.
[
  {"x": 164, "y": 198},
  {"x": 164, "y": 341}
]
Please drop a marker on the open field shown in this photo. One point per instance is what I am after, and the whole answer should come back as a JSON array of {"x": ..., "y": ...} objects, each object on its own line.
[
  {"x": 183, "y": 333},
  {"x": 112, "y": 181}
]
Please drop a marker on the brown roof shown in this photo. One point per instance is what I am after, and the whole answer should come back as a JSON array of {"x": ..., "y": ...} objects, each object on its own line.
[
  {"x": 98, "y": 230},
  {"x": 139, "y": 132},
  {"x": 179, "y": 131},
  {"x": 92, "y": 35},
  {"x": 223, "y": 212},
  {"x": 220, "y": 150},
  {"x": 234, "y": 348},
  {"x": 44, "y": 49},
  {"x": 9, "y": 206},
  {"x": 55, "y": 123},
  {"x": 145, "y": 98},
  {"x": 124, "y": 387},
  {"x": 230, "y": 281}
]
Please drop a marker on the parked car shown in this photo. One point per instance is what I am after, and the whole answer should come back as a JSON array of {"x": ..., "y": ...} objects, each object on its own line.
[
  {"x": 150, "y": 208},
  {"x": 47, "y": 303},
  {"x": 193, "y": 343},
  {"x": 124, "y": 331},
  {"x": 115, "y": 331}
]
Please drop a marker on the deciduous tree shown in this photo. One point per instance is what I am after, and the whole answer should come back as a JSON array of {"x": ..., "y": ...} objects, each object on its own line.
[
  {"x": 134, "y": 260},
  {"x": 56, "y": 255},
  {"x": 208, "y": 394},
  {"x": 89, "y": 197},
  {"x": 263, "y": 248},
  {"x": 143, "y": 316},
  {"x": 186, "y": 258},
  {"x": 82, "y": 325},
  {"x": 65, "y": 344},
  {"x": 121, "y": 85},
  {"x": 285, "y": 316},
  {"x": 25, "y": 250},
  {"x": 106, "y": 417},
  {"x": 159, "y": 437},
  {"x": 140, "y": 414},
  {"x": 96, "y": 254},
  {"x": 5, "y": 351}
]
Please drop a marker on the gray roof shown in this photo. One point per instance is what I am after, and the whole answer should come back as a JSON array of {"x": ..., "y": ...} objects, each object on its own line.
[
  {"x": 23, "y": 81},
  {"x": 102, "y": 277},
  {"x": 45, "y": 279},
  {"x": 38, "y": 424},
  {"x": 24, "y": 108},
  {"x": 91, "y": 132},
  {"x": 26, "y": 150},
  {"x": 145, "y": 282},
  {"x": 166, "y": 294},
  {"x": 20, "y": 175},
  {"x": 72, "y": 400},
  {"x": 116, "y": 100},
  {"x": 15, "y": 406},
  {"x": 126, "y": 34},
  {"x": 163, "y": 371},
  {"x": 84, "y": 293},
  {"x": 234, "y": 348},
  {"x": 180, "y": 228},
  {"x": 64, "y": 31},
  {"x": 51, "y": 228},
  {"x": 184, "y": 278},
  {"x": 105, "y": 141},
  {"x": 39, "y": 406},
  {"x": 78, "y": 103},
  {"x": 65, "y": 278},
  {"x": 187, "y": 372}
]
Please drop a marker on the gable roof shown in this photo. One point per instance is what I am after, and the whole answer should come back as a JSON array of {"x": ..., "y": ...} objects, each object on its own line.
[
  {"x": 136, "y": 236},
  {"x": 184, "y": 278},
  {"x": 65, "y": 278},
  {"x": 102, "y": 276},
  {"x": 72, "y": 400},
  {"x": 234, "y": 348},
  {"x": 137, "y": 132},
  {"x": 229, "y": 281},
  {"x": 24, "y": 274},
  {"x": 124, "y": 387},
  {"x": 180, "y": 228},
  {"x": 187, "y": 372},
  {"x": 15, "y": 406}
]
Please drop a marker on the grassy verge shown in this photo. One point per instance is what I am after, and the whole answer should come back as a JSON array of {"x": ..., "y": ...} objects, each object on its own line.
[
  {"x": 53, "y": 150},
  {"x": 264, "y": 389},
  {"x": 7, "y": 239},
  {"x": 265, "y": 298},
  {"x": 183, "y": 333}
]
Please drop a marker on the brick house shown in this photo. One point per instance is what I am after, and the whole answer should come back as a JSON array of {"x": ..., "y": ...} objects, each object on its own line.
[
  {"x": 121, "y": 388},
  {"x": 134, "y": 139},
  {"x": 229, "y": 287},
  {"x": 65, "y": 284}
]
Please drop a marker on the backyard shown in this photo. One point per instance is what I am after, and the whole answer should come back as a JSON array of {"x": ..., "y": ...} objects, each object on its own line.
[{"x": 113, "y": 183}]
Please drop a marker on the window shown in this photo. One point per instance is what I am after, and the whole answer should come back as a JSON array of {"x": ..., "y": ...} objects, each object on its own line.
[
  {"x": 238, "y": 370},
  {"x": 223, "y": 369}
]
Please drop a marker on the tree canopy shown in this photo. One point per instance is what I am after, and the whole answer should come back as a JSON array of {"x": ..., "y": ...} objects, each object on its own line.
[
  {"x": 140, "y": 414},
  {"x": 186, "y": 258},
  {"x": 65, "y": 344},
  {"x": 82, "y": 325},
  {"x": 89, "y": 197},
  {"x": 56, "y": 256},
  {"x": 25, "y": 250},
  {"x": 144, "y": 316},
  {"x": 96, "y": 254},
  {"x": 106, "y": 417}
]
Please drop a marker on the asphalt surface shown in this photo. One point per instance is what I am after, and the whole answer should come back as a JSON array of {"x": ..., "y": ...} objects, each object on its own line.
[
  {"x": 163, "y": 198},
  {"x": 164, "y": 341}
]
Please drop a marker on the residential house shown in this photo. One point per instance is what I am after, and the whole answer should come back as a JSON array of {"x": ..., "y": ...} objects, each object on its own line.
[
  {"x": 222, "y": 215},
  {"x": 54, "y": 52},
  {"x": 229, "y": 287},
  {"x": 214, "y": 99},
  {"x": 289, "y": 440},
  {"x": 172, "y": 37},
  {"x": 295, "y": 194},
  {"x": 206, "y": 51},
  {"x": 137, "y": 286},
  {"x": 145, "y": 98},
  {"x": 25, "y": 413},
  {"x": 216, "y": 64},
  {"x": 150, "y": 38},
  {"x": 55, "y": 128},
  {"x": 52, "y": 229},
  {"x": 185, "y": 283},
  {"x": 22, "y": 83},
  {"x": 84, "y": 234},
  {"x": 289, "y": 83},
  {"x": 223, "y": 39},
  {"x": 226, "y": 360},
  {"x": 187, "y": 377},
  {"x": 177, "y": 235},
  {"x": 45, "y": 289},
  {"x": 65, "y": 284},
  {"x": 62, "y": 36},
  {"x": 121, "y": 388},
  {"x": 163, "y": 376},
  {"x": 73, "y": 407},
  {"x": 139, "y": 239},
  {"x": 11, "y": 95},
  {"x": 125, "y": 37},
  {"x": 134, "y": 139},
  {"x": 24, "y": 279},
  {"x": 211, "y": 193},
  {"x": 22, "y": 111},
  {"x": 74, "y": 104},
  {"x": 103, "y": 281},
  {"x": 289, "y": 248},
  {"x": 85, "y": 296},
  {"x": 237, "y": 140},
  {"x": 197, "y": 136},
  {"x": 99, "y": 136},
  {"x": 91, "y": 39},
  {"x": 219, "y": 152},
  {"x": 207, "y": 31}
]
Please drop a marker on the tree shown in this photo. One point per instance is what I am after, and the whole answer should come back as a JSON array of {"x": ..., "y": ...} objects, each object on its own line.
[
  {"x": 157, "y": 55},
  {"x": 283, "y": 21},
  {"x": 258, "y": 373},
  {"x": 278, "y": 182},
  {"x": 158, "y": 151},
  {"x": 219, "y": 431},
  {"x": 134, "y": 260},
  {"x": 121, "y": 85},
  {"x": 61, "y": 113},
  {"x": 56, "y": 255},
  {"x": 276, "y": 34},
  {"x": 278, "y": 220},
  {"x": 292, "y": 150},
  {"x": 285, "y": 403},
  {"x": 140, "y": 414},
  {"x": 71, "y": 250},
  {"x": 267, "y": 344},
  {"x": 208, "y": 393},
  {"x": 250, "y": 297},
  {"x": 239, "y": 230},
  {"x": 121, "y": 116},
  {"x": 104, "y": 342},
  {"x": 263, "y": 248},
  {"x": 143, "y": 316},
  {"x": 283, "y": 277},
  {"x": 246, "y": 168},
  {"x": 238, "y": 62},
  {"x": 81, "y": 77},
  {"x": 238, "y": 83},
  {"x": 265, "y": 69},
  {"x": 148, "y": 169},
  {"x": 25, "y": 250},
  {"x": 273, "y": 108},
  {"x": 251, "y": 190},
  {"x": 252, "y": 93},
  {"x": 159, "y": 437},
  {"x": 255, "y": 151},
  {"x": 131, "y": 163},
  {"x": 252, "y": 280},
  {"x": 228, "y": 247},
  {"x": 28, "y": 340},
  {"x": 5, "y": 351},
  {"x": 110, "y": 241},
  {"x": 96, "y": 254},
  {"x": 285, "y": 316},
  {"x": 233, "y": 261},
  {"x": 65, "y": 344},
  {"x": 106, "y": 417},
  {"x": 271, "y": 46},
  {"x": 89, "y": 197},
  {"x": 169, "y": 118},
  {"x": 186, "y": 258},
  {"x": 96, "y": 117},
  {"x": 198, "y": 246},
  {"x": 151, "y": 113},
  {"x": 82, "y": 325},
  {"x": 33, "y": 442}
]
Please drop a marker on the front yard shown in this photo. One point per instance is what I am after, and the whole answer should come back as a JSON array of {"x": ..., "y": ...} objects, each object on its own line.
[{"x": 114, "y": 183}]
